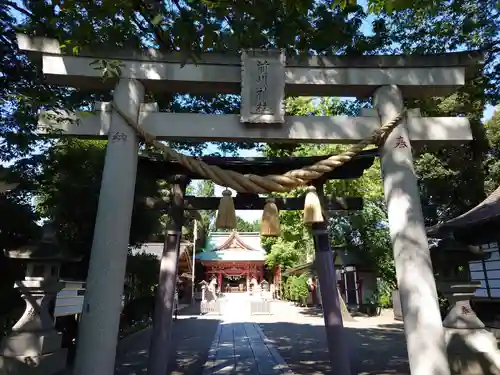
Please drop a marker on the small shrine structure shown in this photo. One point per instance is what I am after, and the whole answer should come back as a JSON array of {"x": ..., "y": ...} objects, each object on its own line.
[
  {"x": 356, "y": 281},
  {"x": 5, "y": 184},
  {"x": 479, "y": 226},
  {"x": 235, "y": 259},
  {"x": 184, "y": 266}
]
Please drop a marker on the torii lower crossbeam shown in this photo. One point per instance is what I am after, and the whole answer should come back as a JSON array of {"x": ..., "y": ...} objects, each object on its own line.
[{"x": 242, "y": 202}]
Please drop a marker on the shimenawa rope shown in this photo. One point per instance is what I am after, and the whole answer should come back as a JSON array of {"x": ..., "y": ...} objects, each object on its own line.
[{"x": 251, "y": 183}]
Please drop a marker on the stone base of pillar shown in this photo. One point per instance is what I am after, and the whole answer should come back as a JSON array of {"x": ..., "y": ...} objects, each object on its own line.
[
  {"x": 32, "y": 353},
  {"x": 461, "y": 315},
  {"x": 472, "y": 352},
  {"x": 471, "y": 348}
]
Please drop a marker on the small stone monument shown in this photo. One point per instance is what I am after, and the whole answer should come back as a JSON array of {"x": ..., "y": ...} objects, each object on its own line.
[
  {"x": 264, "y": 289},
  {"x": 34, "y": 346},
  {"x": 212, "y": 290},
  {"x": 273, "y": 291},
  {"x": 253, "y": 286},
  {"x": 204, "y": 287},
  {"x": 472, "y": 350}
]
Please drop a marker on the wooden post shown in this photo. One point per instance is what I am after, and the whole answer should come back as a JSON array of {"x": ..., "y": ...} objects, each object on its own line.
[
  {"x": 335, "y": 334},
  {"x": 160, "y": 346},
  {"x": 195, "y": 238}
]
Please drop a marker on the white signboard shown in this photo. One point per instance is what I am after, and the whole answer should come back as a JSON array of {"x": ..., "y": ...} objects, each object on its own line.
[
  {"x": 262, "y": 86},
  {"x": 487, "y": 272},
  {"x": 69, "y": 300}
]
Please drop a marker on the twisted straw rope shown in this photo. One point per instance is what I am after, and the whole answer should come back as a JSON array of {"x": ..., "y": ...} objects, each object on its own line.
[{"x": 251, "y": 183}]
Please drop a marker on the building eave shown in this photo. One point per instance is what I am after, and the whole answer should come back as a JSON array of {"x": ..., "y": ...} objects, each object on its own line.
[{"x": 486, "y": 212}]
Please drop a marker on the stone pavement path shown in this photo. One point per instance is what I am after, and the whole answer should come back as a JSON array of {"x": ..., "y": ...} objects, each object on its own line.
[
  {"x": 289, "y": 340},
  {"x": 240, "y": 347}
]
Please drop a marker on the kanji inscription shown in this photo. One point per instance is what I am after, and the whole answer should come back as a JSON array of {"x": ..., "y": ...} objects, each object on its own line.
[
  {"x": 261, "y": 91},
  {"x": 263, "y": 86},
  {"x": 118, "y": 137},
  {"x": 401, "y": 143},
  {"x": 466, "y": 310}
]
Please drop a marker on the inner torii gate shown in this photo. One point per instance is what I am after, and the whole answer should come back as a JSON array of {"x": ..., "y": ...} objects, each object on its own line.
[
  {"x": 160, "y": 335},
  {"x": 263, "y": 78}
]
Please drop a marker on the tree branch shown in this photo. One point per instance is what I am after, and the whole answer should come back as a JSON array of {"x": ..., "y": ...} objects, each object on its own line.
[
  {"x": 21, "y": 10},
  {"x": 143, "y": 11}
]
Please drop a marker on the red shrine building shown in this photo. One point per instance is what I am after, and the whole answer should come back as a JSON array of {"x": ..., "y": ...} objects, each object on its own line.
[{"x": 234, "y": 259}]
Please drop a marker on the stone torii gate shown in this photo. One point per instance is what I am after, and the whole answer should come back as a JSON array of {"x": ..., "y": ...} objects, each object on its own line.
[{"x": 263, "y": 78}]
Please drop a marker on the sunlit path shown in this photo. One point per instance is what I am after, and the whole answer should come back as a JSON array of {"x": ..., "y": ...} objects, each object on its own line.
[{"x": 239, "y": 345}]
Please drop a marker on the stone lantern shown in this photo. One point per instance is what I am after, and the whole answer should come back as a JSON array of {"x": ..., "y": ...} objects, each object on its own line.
[
  {"x": 34, "y": 346},
  {"x": 466, "y": 336},
  {"x": 204, "y": 287}
]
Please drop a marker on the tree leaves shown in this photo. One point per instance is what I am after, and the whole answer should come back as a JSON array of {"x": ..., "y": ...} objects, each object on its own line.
[
  {"x": 158, "y": 19},
  {"x": 364, "y": 233}
]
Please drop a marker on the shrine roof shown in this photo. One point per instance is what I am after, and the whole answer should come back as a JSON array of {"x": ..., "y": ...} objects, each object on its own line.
[
  {"x": 158, "y": 168},
  {"x": 342, "y": 258},
  {"x": 156, "y": 248},
  {"x": 486, "y": 215},
  {"x": 233, "y": 246}
]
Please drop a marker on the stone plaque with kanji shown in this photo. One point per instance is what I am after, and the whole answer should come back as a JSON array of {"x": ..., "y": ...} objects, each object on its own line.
[{"x": 262, "y": 86}]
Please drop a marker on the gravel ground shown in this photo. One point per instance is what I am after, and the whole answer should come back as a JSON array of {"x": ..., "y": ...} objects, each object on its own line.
[{"x": 377, "y": 345}]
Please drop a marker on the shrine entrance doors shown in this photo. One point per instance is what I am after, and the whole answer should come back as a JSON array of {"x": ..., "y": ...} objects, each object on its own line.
[{"x": 234, "y": 284}]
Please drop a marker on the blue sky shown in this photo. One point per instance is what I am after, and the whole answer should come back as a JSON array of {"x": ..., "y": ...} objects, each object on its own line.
[{"x": 255, "y": 215}]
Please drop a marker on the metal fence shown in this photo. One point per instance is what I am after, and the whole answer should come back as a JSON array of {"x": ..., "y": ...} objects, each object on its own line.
[
  {"x": 211, "y": 307},
  {"x": 260, "y": 306}
]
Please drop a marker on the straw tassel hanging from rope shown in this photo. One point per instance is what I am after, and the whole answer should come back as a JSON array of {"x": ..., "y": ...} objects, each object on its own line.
[
  {"x": 312, "y": 207},
  {"x": 270, "y": 224},
  {"x": 226, "y": 215}
]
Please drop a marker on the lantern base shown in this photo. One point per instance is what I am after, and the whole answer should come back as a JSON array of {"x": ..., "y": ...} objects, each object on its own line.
[
  {"x": 471, "y": 348},
  {"x": 472, "y": 352},
  {"x": 31, "y": 343},
  {"x": 45, "y": 364},
  {"x": 32, "y": 353}
]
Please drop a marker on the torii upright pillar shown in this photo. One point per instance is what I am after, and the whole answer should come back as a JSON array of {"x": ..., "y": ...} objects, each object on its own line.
[
  {"x": 417, "y": 287},
  {"x": 98, "y": 331},
  {"x": 160, "y": 348},
  {"x": 338, "y": 344}
]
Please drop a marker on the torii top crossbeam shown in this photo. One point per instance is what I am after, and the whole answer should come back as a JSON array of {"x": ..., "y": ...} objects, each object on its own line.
[{"x": 417, "y": 76}]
